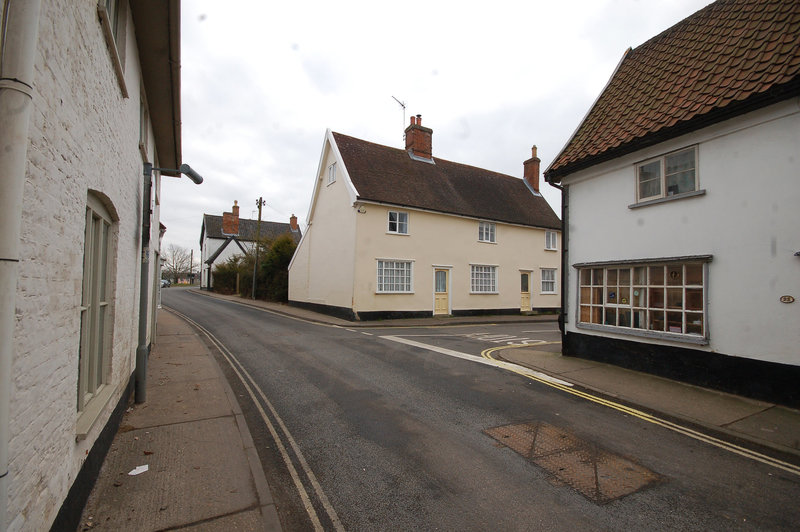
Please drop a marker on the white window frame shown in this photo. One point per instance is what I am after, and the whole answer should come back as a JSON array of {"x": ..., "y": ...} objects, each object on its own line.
[
  {"x": 661, "y": 162},
  {"x": 400, "y": 225},
  {"x": 551, "y": 240},
  {"x": 332, "y": 174},
  {"x": 552, "y": 284},
  {"x": 483, "y": 279},
  {"x": 394, "y": 276},
  {"x": 603, "y": 299},
  {"x": 487, "y": 232},
  {"x": 113, "y": 16}
]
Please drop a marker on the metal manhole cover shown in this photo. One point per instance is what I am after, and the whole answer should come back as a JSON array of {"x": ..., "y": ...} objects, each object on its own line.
[{"x": 595, "y": 473}]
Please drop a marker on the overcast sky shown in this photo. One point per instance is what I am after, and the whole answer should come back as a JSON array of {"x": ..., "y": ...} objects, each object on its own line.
[{"x": 262, "y": 80}]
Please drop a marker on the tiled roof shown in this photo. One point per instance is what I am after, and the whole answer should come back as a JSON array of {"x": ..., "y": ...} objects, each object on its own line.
[
  {"x": 247, "y": 229},
  {"x": 389, "y": 175},
  {"x": 729, "y": 58}
]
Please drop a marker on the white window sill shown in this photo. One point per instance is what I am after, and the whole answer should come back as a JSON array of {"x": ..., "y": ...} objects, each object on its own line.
[
  {"x": 549, "y": 293},
  {"x": 486, "y": 242},
  {"x": 394, "y": 293},
  {"x": 551, "y": 249},
  {"x": 656, "y": 201},
  {"x": 645, "y": 333},
  {"x": 397, "y": 234},
  {"x": 484, "y": 293}
]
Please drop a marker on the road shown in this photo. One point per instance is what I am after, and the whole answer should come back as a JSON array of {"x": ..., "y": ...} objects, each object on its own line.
[{"x": 359, "y": 430}]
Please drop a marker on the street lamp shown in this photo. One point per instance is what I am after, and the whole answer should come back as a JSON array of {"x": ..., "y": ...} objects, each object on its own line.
[{"x": 142, "y": 350}]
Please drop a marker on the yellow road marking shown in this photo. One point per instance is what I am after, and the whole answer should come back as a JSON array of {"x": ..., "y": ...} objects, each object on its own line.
[{"x": 742, "y": 451}]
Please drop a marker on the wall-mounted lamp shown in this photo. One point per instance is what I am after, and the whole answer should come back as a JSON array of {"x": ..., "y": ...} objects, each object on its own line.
[
  {"x": 184, "y": 169},
  {"x": 361, "y": 209}
]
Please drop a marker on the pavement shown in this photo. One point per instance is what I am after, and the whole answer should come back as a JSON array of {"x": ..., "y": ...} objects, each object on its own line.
[{"x": 203, "y": 472}]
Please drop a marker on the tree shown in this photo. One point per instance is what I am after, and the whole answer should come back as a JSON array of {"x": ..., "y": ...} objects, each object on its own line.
[
  {"x": 275, "y": 268},
  {"x": 177, "y": 263}
]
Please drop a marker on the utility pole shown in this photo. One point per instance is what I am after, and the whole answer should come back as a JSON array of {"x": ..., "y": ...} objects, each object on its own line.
[
  {"x": 259, "y": 204},
  {"x": 191, "y": 266}
]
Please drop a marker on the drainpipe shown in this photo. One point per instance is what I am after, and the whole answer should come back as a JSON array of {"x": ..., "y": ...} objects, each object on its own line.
[
  {"x": 19, "y": 33},
  {"x": 143, "y": 350},
  {"x": 562, "y": 318}
]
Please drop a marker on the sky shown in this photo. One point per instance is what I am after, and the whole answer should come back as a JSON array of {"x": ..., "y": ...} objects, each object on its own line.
[{"x": 263, "y": 80}]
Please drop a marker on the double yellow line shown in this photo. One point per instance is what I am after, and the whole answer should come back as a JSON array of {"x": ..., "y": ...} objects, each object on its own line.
[{"x": 711, "y": 440}]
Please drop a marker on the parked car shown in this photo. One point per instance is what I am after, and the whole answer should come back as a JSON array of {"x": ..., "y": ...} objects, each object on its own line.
[{"x": 165, "y": 283}]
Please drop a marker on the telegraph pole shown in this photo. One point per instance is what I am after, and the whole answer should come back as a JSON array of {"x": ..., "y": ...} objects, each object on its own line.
[{"x": 259, "y": 204}]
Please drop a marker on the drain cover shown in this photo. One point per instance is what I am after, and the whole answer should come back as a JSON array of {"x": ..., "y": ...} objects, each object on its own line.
[{"x": 597, "y": 474}]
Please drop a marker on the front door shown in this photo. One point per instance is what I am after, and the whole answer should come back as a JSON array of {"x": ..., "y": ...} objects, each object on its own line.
[
  {"x": 441, "y": 296},
  {"x": 525, "y": 292}
]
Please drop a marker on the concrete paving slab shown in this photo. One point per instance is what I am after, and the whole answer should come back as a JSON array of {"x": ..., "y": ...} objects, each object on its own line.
[
  {"x": 776, "y": 425},
  {"x": 179, "y": 402},
  {"x": 196, "y": 472},
  {"x": 550, "y": 362},
  {"x": 245, "y": 521}
]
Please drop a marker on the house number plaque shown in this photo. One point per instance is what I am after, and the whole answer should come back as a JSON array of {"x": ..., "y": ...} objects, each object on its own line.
[{"x": 787, "y": 299}]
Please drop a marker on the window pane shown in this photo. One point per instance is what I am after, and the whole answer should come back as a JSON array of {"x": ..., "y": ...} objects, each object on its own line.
[
  {"x": 675, "y": 322},
  {"x": 586, "y": 277},
  {"x": 694, "y": 323},
  {"x": 597, "y": 315},
  {"x": 597, "y": 295},
  {"x": 402, "y": 222},
  {"x": 586, "y": 312},
  {"x": 639, "y": 319},
  {"x": 597, "y": 277},
  {"x": 640, "y": 275},
  {"x": 656, "y": 275},
  {"x": 611, "y": 316},
  {"x": 611, "y": 277},
  {"x": 650, "y": 179},
  {"x": 639, "y": 297},
  {"x": 624, "y": 318},
  {"x": 624, "y": 295},
  {"x": 524, "y": 279},
  {"x": 441, "y": 281},
  {"x": 680, "y": 162},
  {"x": 694, "y": 274},
  {"x": 680, "y": 183},
  {"x": 694, "y": 299},
  {"x": 675, "y": 275},
  {"x": 656, "y": 320},
  {"x": 656, "y": 297},
  {"x": 675, "y": 298},
  {"x": 625, "y": 277},
  {"x": 586, "y": 294},
  {"x": 611, "y": 295}
]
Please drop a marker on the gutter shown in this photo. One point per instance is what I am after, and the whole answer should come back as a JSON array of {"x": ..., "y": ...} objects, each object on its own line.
[{"x": 19, "y": 31}]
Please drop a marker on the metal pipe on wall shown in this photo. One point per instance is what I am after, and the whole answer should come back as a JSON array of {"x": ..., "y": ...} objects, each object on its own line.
[{"x": 19, "y": 33}]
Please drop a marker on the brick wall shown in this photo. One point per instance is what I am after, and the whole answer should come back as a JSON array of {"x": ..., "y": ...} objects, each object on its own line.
[{"x": 83, "y": 136}]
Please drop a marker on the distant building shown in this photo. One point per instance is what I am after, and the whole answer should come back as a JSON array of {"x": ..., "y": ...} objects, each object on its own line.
[
  {"x": 399, "y": 233},
  {"x": 90, "y": 92},
  {"x": 682, "y": 205},
  {"x": 222, "y": 237}
]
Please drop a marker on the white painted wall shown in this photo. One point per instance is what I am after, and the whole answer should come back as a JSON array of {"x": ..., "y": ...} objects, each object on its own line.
[
  {"x": 210, "y": 246},
  {"x": 83, "y": 136},
  {"x": 749, "y": 220},
  {"x": 442, "y": 240},
  {"x": 322, "y": 270}
]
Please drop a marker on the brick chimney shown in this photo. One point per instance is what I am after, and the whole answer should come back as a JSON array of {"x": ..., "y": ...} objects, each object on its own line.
[
  {"x": 230, "y": 221},
  {"x": 418, "y": 139},
  {"x": 531, "y": 172},
  {"x": 293, "y": 223}
]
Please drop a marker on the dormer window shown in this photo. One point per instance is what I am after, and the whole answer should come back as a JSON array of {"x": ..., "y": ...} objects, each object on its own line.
[
  {"x": 486, "y": 232},
  {"x": 669, "y": 175},
  {"x": 332, "y": 173},
  {"x": 398, "y": 222}
]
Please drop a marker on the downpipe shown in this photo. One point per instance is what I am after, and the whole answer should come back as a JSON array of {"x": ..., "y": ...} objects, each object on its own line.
[
  {"x": 143, "y": 349},
  {"x": 19, "y": 28}
]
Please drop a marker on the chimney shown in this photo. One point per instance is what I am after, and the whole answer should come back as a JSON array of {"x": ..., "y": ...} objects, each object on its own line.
[
  {"x": 418, "y": 139},
  {"x": 230, "y": 221},
  {"x": 293, "y": 223},
  {"x": 531, "y": 171}
]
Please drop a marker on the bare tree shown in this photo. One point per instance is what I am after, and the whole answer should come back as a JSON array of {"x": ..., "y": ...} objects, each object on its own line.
[{"x": 177, "y": 263}]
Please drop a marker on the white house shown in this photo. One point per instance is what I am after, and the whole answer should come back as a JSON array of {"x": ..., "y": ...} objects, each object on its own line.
[
  {"x": 400, "y": 233},
  {"x": 90, "y": 92},
  {"x": 682, "y": 205},
  {"x": 223, "y": 237}
]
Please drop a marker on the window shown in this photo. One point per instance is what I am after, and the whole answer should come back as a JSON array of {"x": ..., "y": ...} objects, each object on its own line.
[
  {"x": 398, "y": 222},
  {"x": 94, "y": 358},
  {"x": 550, "y": 240},
  {"x": 332, "y": 173},
  {"x": 483, "y": 279},
  {"x": 113, "y": 19},
  {"x": 669, "y": 175},
  {"x": 548, "y": 280},
  {"x": 662, "y": 298},
  {"x": 486, "y": 232},
  {"x": 394, "y": 276}
]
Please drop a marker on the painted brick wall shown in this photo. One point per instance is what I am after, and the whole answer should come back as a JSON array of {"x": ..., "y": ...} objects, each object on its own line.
[{"x": 83, "y": 136}]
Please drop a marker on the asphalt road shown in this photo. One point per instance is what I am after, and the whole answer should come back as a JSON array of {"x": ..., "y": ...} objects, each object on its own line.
[{"x": 357, "y": 431}]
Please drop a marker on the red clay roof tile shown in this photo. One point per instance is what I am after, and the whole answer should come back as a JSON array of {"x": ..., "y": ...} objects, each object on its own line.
[{"x": 730, "y": 57}]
